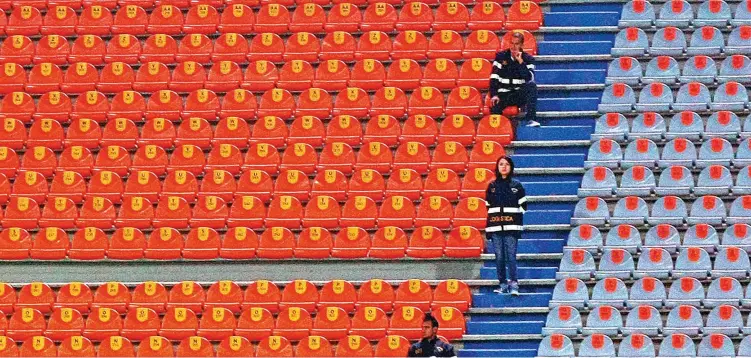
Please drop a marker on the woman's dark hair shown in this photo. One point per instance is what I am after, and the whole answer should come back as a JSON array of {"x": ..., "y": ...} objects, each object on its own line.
[{"x": 510, "y": 163}]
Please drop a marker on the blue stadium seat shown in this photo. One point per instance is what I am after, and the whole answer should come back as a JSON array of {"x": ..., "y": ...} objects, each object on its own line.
[
  {"x": 564, "y": 320},
  {"x": 677, "y": 345},
  {"x": 647, "y": 291},
  {"x": 640, "y": 152},
  {"x": 630, "y": 210},
  {"x": 739, "y": 40},
  {"x": 624, "y": 70},
  {"x": 610, "y": 291},
  {"x": 731, "y": 261},
  {"x": 679, "y": 151},
  {"x": 723, "y": 124},
  {"x": 663, "y": 236},
  {"x": 643, "y": 319},
  {"x": 586, "y": 237},
  {"x": 570, "y": 291},
  {"x": 615, "y": 263},
  {"x": 576, "y": 263},
  {"x": 724, "y": 291},
  {"x": 675, "y": 13},
  {"x": 603, "y": 319},
  {"x": 663, "y": 69},
  {"x": 598, "y": 181},
  {"x": 714, "y": 180},
  {"x": 740, "y": 211},
  {"x": 618, "y": 97},
  {"x": 668, "y": 210},
  {"x": 730, "y": 96},
  {"x": 591, "y": 210},
  {"x": 638, "y": 13},
  {"x": 654, "y": 262},
  {"x": 684, "y": 319},
  {"x": 735, "y": 68},
  {"x": 655, "y": 97},
  {"x": 738, "y": 235},
  {"x": 687, "y": 125},
  {"x": 669, "y": 41},
  {"x": 713, "y": 13},
  {"x": 703, "y": 236},
  {"x": 636, "y": 345},
  {"x": 699, "y": 68},
  {"x": 706, "y": 41},
  {"x": 685, "y": 291},
  {"x": 604, "y": 152},
  {"x": 612, "y": 126},
  {"x": 648, "y": 125},
  {"x": 715, "y": 151},
  {"x": 632, "y": 41},
  {"x": 717, "y": 344},
  {"x": 637, "y": 181},
  {"x": 692, "y": 96},
  {"x": 555, "y": 345},
  {"x": 692, "y": 262},
  {"x": 597, "y": 345}
]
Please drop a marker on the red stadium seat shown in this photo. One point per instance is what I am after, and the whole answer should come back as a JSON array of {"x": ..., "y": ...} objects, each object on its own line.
[
  {"x": 201, "y": 19},
  {"x": 164, "y": 244},
  {"x": 24, "y": 20},
  {"x": 413, "y": 293},
  {"x": 165, "y": 19},
  {"x": 74, "y": 295},
  {"x": 44, "y": 133},
  {"x": 64, "y": 323},
  {"x": 114, "y": 295},
  {"x": 309, "y": 17},
  {"x": 186, "y": 294},
  {"x": 150, "y": 294},
  {"x": 301, "y": 157},
  {"x": 367, "y": 182},
  {"x": 159, "y": 48},
  {"x": 295, "y": 75},
  {"x": 17, "y": 49},
  {"x": 442, "y": 182},
  {"x": 451, "y": 16},
  {"x": 262, "y": 294},
  {"x": 396, "y": 211},
  {"x": 80, "y": 78},
  {"x": 59, "y": 20},
  {"x": 52, "y": 49},
  {"x": 261, "y": 75},
  {"x": 116, "y": 346},
  {"x": 195, "y": 346},
  {"x": 415, "y": 16},
  {"x": 419, "y": 128},
  {"x": 276, "y": 243},
  {"x": 354, "y": 242},
  {"x": 407, "y": 322},
  {"x": 370, "y": 74},
  {"x": 37, "y": 296},
  {"x": 95, "y": 20},
  {"x": 354, "y": 346},
  {"x": 32, "y": 186},
  {"x": 230, "y": 47},
  {"x": 239, "y": 243},
  {"x": 392, "y": 346},
  {"x": 13, "y": 78},
  {"x": 370, "y": 322},
  {"x": 314, "y": 102},
  {"x": 273, "y": 18},
  {"x": 322, "y": 211},
  {"x": 166, "y": 104},
  {"x": 274, "y": 346},
  {"x": 276, "y": 102},
  {"x": 187, "y": 76},
  {"x": 76, "y": 346},
  {"x": 389, "y": 101},
  {"x": 234, "y": 346},
  {"x": 375, "y": 45},
  {"x": 172, "y": 211},
  {"x": 224, "y": 76},
  {"x": 25, "y": 323},
  {"x": 333, "y": 76},
  {"x": 406, "y": 75},
  {"x": 293, "y": 323},
  {"x": 157, "y": 346},
  {"x": 217, "y": 323},
  {"x": 524, "y": 15},
  {"x": 343, "y": 17},
  {"x": 152, "y": 77},
  {"x": 405, "y": 182},
  {"x": 350, "y": 104},
  {"x": 485, "y": 154},
  {"x": 103, "y": 323},
  {"x": 389, "y": 242},
  {"x": 379, "y": 17},
  {"x": 210, "y": 211},
  {"x": 135, "y": 212},
  {"x": 8, "y": 295},
  {"x": 254, "y": 183},
  {"x": 359, "y": 211},
  {"x": 238, "y": 103},
  {"x": 285, "y": 211},
  {"x": 426, "y": 242},
  {"x": 255, "y": 323},
  {"x": 97, "y": 212},
  {"x": 236, "y": 20},
  {"x": 266, "y": 46},
  {"x": 127, "y": 244},
  {"x": 436, "y": 211},
  {"x": 487, "y": 15},
  {"x": 338, "y": 157},
  {"x": 440, "y": 73},
  {"x": 495, "y": 127},
  {"x": 8, "y": 162},
  {"x": 44, "y": 77},
  {"x": 262, "y": 156},
  {"x": 91, "y": 243},
  {"x": 426, "y": 100},
  {"x": 481, "y": 44},
  {"x": 38, "y": 346},
  {"x": 118, "y": 77},
  {"x": 314, "y": 346},
  {"x": 123, "y": 48},
  {"x": 377, "y": 156},
  {"x": 331, "y": 323},
  {"x": 451, "y": 322},
  {"x": 132, "y": 19},
  {"x": 59, "y": 213},
  {"x": 189, "y": 158},
  {"x": 202, "y": 243},
  {"x": 450, "y": 155}
]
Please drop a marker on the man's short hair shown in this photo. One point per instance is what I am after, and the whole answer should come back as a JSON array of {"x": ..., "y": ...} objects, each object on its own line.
[
  {"x": 519, "y": 36},
  {"x": 429, "y": 318}
]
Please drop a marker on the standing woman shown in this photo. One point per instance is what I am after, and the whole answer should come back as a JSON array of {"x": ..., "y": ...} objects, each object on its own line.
[{"x": 506, "y": 205}]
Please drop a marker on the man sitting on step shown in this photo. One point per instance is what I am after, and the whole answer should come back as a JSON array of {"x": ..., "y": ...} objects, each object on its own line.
[{"x": 513, "y": 81}]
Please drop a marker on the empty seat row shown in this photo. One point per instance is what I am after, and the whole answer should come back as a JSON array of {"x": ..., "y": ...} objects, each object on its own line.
[
  {"x": 276, "y": 18},
  {"x": 672, "y": 41},
  {"x": 658, "y": 97},
  {"x": 149, "y": 5},
  {"x": 650, "y": 291},
  {"x": 640, "y": 345},
  {"x": 686, "y": 124},
  {"x": 196, "y": 346},
  {"x": 640, "y": 181},
  {"x": 259, "y": 76},
  {"x": 666, "y": 69},
  {"x": 641, "y": 13},
  {"x": 230, "y": 295},
  {"x": 239, "y": 243},
  {"x": 677, "y": 152}
]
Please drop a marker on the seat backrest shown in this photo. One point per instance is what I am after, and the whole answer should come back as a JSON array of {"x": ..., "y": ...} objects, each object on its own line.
[
  {"x": 636, "y": 345},
  {"x": 556, "y": 345},
  {"x": 632, "y": 207},
  {"x": 679, "y": 149},
  {"x": 637, "y": 176},
  {"x": 737, "y": 234},
  {"x": 648, "y": 123},
  {"x": 700, "y": 66},
  {"x": 685, "y": 316},
  {"x": 676, "y": 10},
  {"x": 625, "y": 66},
  {"x": 693, "y": 93},
  {"x": 716, "y": 344},
  {"x": 744, "y": 348},
  {"x": 693, "y": 258},
  {"x": 735, "y": 65},
  {"x": 583, "y": 236},
  {"x": 726, "y": 288},
  {"x": 577, "y": 261},
  {"x": 741, "y": 207},
  {"x": 708, "y": 36},
  {"x": 597, "y": 345},
  {"x": 570, "y": 289},
  {"x": 638, "y": 10},
  {"x": 649, "y": 288},
  {"x": 610, "y": 288},
  {"x": 740, "y": 35},
  {"x": 675, "y": 176},
  {"x": 604, "y": 149},
  {"x": 713, "y": 10},
  {"x": 618, "y": 93},
  {"x": 623, "y": 235},
  {"x": 644, "y": 316},
  {"x": 744, "y": 152},
  {"x": 599, "y": 177},
  {"x": 677, "y": 344},
  {"x": 686, "y": 122},
  {"x": 715, "y": 175},
  {"x": 614, "y": 259},
  {"x": 670, "y": 38},
  {"x": 641, "y": 149},
  {"x": 591, "y": 207},
  {"x": 708, "y": 206},
  {"x": 633, "y": 38},
  {"x": 662, "y": 66},
  {"x": 700, "y": 235},
  {"x": 731, "y": 92},
  {"x": 686, "y": 288},
  {"x": 723, "y": 122},
  {"x": 612, "y": 123},
  {"x": 604, "y": 317}
]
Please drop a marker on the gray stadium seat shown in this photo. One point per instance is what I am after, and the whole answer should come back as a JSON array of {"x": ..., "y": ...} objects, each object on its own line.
[
  {"x": 678, "y": 152},
  {"x": 699, "y": 68},
  {"x": 707, "y": 209},
  {"x": 640, "y": 152},
  {"x": 639, "y": 13},
  {"x": 724, "y": 291},
  {"x": 663, "y": 69},
  {"x": 715, "y": 151},
  {"x": 738, "y": 40},
  {"x": 692, "y": 262},
  {"x": 604, "y": 152},
  {"x": 703, "y": 236},
  {"x": 618, "y": 97},
  {"x": 738, "y": 235},
  {"x": 713, "y": 13},
  {"x": 663, "y": 236},
  {"x": 570, "y": 291},
  {"x": 615, "y": 263},
  {"x": 740, "y": 211},
  {"x": 576, "y": 263},
  {"x": 677, "y": 345},
  {"x": 631, "y": 41},
  {"x": 731, "y": 261},
  {"x": 603, "y": 319},
  {"x": 586, "y": 237},
  {"x": 655, "y": 97},
  {"x": 624, "y": 236},
  {"x": 723, "y": 124},
  {"x": 730, "y": 96},
  {"x": 612, "y": 126},
  {"x": 564, "y": 320},
  {"x": 675, "y": 13},
  {"x": 685, "y": 291},
  {"x": 724, "y": 319},
  {"x": 648, "y": 125},
  {"x": 683, "y": 319},
  {"x": 747, "y": 301},
  {"x": 668, "y": 41},
  {"x": 609, "y": 291},
  {"x": 735, "y": 68},
  {"x": 636, "y": 181},
  {"x": 631, "y": 210},
  {"x": 556, "y": 345},
  {"x": 598, "y": 181},
  {"x": 647, "y": 291},
  {"x": 687, "y": 125},
  {"x": 714, "y": 180},
  {"x": 742, "y": 157},
  {"x": 591, "y": 210},
  {"x": 597, "y": 345},
  {"x": 644, "y": 319},
  {"x": 625, "y": 69},
  {"x": 716, "y": 345},
  {"x": 636, "y": 345},
  {"x": 746, "y": 128},
  {"x": 707, "y": 40},
  {"x": 692, "y": 96},
  {"x": 668, "y": 210},
  {"x": 744, "y": 348},
  {"x": 654, "y": 262}
]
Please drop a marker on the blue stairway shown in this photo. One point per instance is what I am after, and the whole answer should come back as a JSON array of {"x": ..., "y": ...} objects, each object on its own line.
[{"x": 574, "y": 51}]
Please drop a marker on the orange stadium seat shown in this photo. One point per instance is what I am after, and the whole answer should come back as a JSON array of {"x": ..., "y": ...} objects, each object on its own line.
[
  {"x": 150, "y": 158},
  {"x": 256, "y": 183},
  {"x": 239, "y": 242},
  {"x": 379, "y": 17},
  {"x": 53, "y": 105},
  {"x": 195, "y": 347},
  {"x": 375, "y": 45},
  {"x": 464, "y": 100},
  {"x": 140, "y": 324},
  {"x": 481, "y": 44},
  {"x": 309, "y": 17},
  {"x": 451, "y": 322},
  {"x": 225, "y": 156},
  {"x": 135, "y": 212},
  {"x": 14, "y": 134},
  {"x": 426, "y": 100},
  {"x": 74, "y": 295},
  {"x": 367, "y": 182},
  {"x": 436, "y": 211},
  {"x": 94, "y": 20},
  {"x": 44, "y": 133},
  {"x": 405, "y": 75},
  {"x": 262, "y": 156},
  {"x": 103, "y": 323},
  {"x": 152, "y": 77},
  {"x": 343, "y": 17},
  {"x": 131, "y": 19},
  {"x": 331, "y": 323},
  {"x": 180, "y": 183},
  {"x": 210, "y": 211},
  {"x": 276, "y": 102},
  {"x": 406, "y": 182},
  {"x": 530, "y": 44},
  {"x": 285, "y": 211},
  {"x": 273, "y": 18},
  {"x": 389, "y": 101},
  {"x": 230, "y": 47},
  {"x": 338, "y": 157},
  {"x": 4, "y": 189},
  {"x": 359, "y": 211},
  {"x": 25, "y": 323},
  {"x": 293, "y": 183},
  {"x": 58, "y": 213},
  {"x": 17, "y": 49},
  {"x": 52, "y": 49},
  {"x": 233, "y": 131},
  {"x": 322, "y": 211},
  {"x": 307, "y": 128},
  {"x": 299, "y": 293},
  {"x": 495, "y": 127},
  {"x": 331, "y": 77},
  {"x": 410, "y": 44},
  {"x": 90, "y": 105},
  {"x": 234, "y": 346},
  {"x": 105, "y": 184},
  {"x": 274, "y": 346},
  {"x": 442, "y": 182},
  {"x": 440, "y": 73},
  {"x": 415, "y": 16},
  {"x": 396, "y": 211},
  {"x": 487, "y": 15},
  {"x": 151, "y": 295},
  {"x": 116, "y": 346},
  {"x": 80, "y": 78},
  {"x": 38, "y": 346},
  {"x": 248, "y": 210},
  {"x": 157, "y": 132},
  {"x": 33, "y": 186},
  {"x": 172, "y": 211},
  {"x": 9, "y": 162},
  {"x": 266, "y": 46},
  {"x": 392, "y": 346},
  {"x": 370, "y": 322},
  {"x": 445, "y": 44},
  {"x": 476, "y": 182},
  {"x": 24, "y": 20},
  {"x": 59, "y": 20},
  {"x": 350, "y": 104},
  {"x": 114, "y": 295},
  {"x": 76, "y": 346},
  {"x": 44, "y": 77},
  {"x": 236, "y": 20},
  {"x": 345, "y": 128},
  {"x": 301, "y": 157},
  {"x": 426, "y": 242},
  {"x": 13, "y": 78},
  {"x": 452, "y": 293},
  {"x": 260, "y": 75},
  {"x": 118, "y": 77},
  {"x": 217, "y": 323},
  {"x": 123, "y": 48},
  {"x": 194, "y": 131},
  {"x": 97, "y": 212},
  {"x": 18, "y": 105},
  {"x": 314, "y": 346},
  {"x": 451, "y": 16},
  {"x": 21, "y": 212},
  {"x": 159, "y": 48},
  {"x": 37, "y": 296},
  {"x": 155, "y": 346},
  {"x": 127, "y": 244},
  {"x": 450, "y": 155},
  {"x": 201, "y": 19},
  {"x": 413, "y": 293},
  {"x": 485, "y": 154},
  {"x": 121, "y": 132},
  {"x": 389, "y": 242},
  {"x": 91, "y": 243},
  {"x": 315, "y": 102},
  {"x": 276, "y": 243},
  {"x": 187, "y": 294},
  {"x": 8, "y": 295},
  {"x": 189, "y": 158},
  {"x": 338, "y": 293},
  {"x": 377, "y": 156},
  {"x": 369, "y": 74},
  {"x": 354, "y": 242},
  {"x": 354, "y": 346},
  {"x": 224, "y": 294},
  {"x": 263, "y": 294},
  {"x": 166, "y": 104},
  {"x": 524, "y": 15},
  {"x": 406, "y": 321},
  {"x": 293, "y": 323},
  {"x": 255, "y": 324},
  {"x": 165, "y": 19},
  {"x": 238, "y": 103},
  {"x": 127, "y": 104},
  {"x": 295, "y": 75},
  {"x": 187, "y": 76},
  {"x": 64, "y": 323}
]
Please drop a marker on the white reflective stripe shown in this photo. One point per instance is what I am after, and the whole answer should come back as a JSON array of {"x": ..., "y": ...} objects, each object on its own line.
[
  {"x": 513, "y": 210},
  {"x": 497, "y": 65},
  {"x": 496, "y": 77},
  {"x": 522, "y": 200},
  {"x": 518, "y": 82},
  {"x": 504, "y": 80},
  {"x": 504, "y": 90},
  {"x": 493, "y": 229},
  {"x": 494, "y": 210},
  {"x": 513, "y": 228},
  {"x": 531, "y": 67}
]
